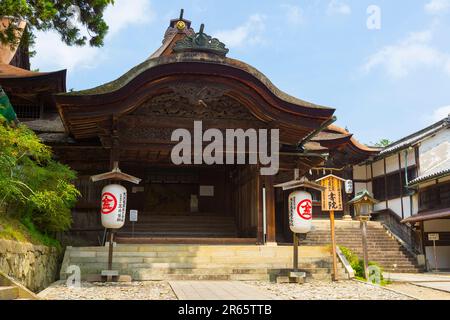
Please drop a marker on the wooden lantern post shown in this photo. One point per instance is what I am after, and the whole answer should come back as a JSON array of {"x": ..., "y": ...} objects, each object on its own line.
[
  {"x": 363, "y": 204},
  {"x": 298, "y": 184},
  {"x": 115, "y": 175}
]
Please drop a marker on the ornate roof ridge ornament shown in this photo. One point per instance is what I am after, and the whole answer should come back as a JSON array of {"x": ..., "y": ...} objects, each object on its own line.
[{"x": 201, "y": 42}]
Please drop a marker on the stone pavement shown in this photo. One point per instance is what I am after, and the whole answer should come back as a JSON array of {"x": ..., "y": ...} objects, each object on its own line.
[
  {"x": 417, "y": 277},
  {"x": 423, "y": 286},
  {"x": 218, "y": 290},
  {"x": 442, "y": 286}
]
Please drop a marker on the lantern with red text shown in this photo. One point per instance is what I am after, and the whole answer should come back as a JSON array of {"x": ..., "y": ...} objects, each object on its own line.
[
  {"x": 300, "y": 212},
  {"x": 114, "y": 206}
]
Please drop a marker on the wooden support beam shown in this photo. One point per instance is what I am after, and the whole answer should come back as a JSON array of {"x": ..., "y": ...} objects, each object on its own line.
[
  {"x": 270, "y": 209},
  {"x": 260, "y": 204}
]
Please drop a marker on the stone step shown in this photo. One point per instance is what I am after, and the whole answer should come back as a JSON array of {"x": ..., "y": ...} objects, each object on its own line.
[
  {"x": 194, "y": 260},
  {"x": 9, "y": 293},
  {"x": 171, "y": 262},
  {"x": 382, "y": 247}
]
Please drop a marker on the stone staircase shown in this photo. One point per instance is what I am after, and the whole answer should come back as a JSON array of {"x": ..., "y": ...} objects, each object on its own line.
[
  {"x": 12, "y": 290},
  {"x": 200, "y": 262},
  {"x": 382, "y": 247}
]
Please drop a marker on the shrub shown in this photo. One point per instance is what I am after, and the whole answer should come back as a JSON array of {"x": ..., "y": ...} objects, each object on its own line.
[
  {"x": 33, "y": 185},
  {"x": 358, "y": 264}
]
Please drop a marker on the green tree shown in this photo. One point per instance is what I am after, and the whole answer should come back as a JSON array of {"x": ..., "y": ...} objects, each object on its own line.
[
  {"x": 33, "y": 185},
  {"x": 61, "y": 15},
  {"x": 383, "y": 143}
]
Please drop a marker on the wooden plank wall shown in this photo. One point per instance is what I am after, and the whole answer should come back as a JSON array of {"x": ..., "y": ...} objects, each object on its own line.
[{"x": 246, "y": 200}]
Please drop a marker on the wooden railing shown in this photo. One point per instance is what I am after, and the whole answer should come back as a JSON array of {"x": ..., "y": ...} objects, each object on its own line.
[{"x": 404, "y": 233}]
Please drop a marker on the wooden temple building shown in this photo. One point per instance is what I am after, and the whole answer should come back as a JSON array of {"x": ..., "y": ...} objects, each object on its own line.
[{"x": 129, "y": 122}]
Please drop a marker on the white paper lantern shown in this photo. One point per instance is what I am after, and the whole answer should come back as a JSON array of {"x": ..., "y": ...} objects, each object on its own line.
[
  {"x": 349, "y": 186},
  {"x": 300, "y": 212},
  {"x": 114, "y": 206}
]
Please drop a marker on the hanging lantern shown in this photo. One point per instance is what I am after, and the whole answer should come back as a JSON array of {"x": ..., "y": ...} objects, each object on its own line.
[
  {"x": 348, "y": 186},
  {"x": 113, "y": 206},
  {"x": 300, "y": 212}
]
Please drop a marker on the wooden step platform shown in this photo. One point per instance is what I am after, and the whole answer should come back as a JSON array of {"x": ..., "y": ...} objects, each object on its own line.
[
  {"x": 156, "y": 228},
  {"x": 187, "y": 240}
]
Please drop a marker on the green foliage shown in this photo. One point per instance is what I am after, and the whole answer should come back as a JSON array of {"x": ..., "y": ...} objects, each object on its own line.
[
  {"x": 61, "y": 16},
  {"x": 25, "y": 231},
  {"x": 33, "y": 184},
  {"x": 37, "y": 236},
  {"x": 358, "y": 264},
  {"x": 383, "y": 143}
]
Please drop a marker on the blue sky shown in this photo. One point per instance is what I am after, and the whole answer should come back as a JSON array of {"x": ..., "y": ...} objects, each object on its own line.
[{"x": 384, "y": 83}]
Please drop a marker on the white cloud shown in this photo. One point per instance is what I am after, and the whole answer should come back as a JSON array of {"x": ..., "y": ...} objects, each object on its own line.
[
  {"x": 437, "y": 6},
  {"x": 410, "y": 54},
  {"x": 125, "y": 13},
  {"x": 294, "y": 14},
  {"x": 249, "y": 32},
  {"x": 338, "y": 7},
  {"x": 52, "y": 54},
  {"x": 439, "y": 114}
]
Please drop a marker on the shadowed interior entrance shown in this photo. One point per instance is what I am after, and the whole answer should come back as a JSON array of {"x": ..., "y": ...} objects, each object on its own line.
[{"x": 191, "y": 204}]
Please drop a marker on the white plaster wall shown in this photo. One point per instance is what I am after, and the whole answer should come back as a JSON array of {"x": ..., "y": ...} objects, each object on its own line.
[
  {"x": 434, "y": 150},
  {"x": 443, "y": 253},
  {"x": 359, "y": 186},
  {"x": 361, "y": 172},
  {"x": 415, "y": 204},
  {"x": 411, "y": 158},
  {"x": 392, "y": 164},
  {"x": 443, "y": 257},
  {"x": 380, "y": 206},
  {"x": 378, "y": 168},
  {"x": 396, "y": 206},
  {"x": 406, "y": 207}
]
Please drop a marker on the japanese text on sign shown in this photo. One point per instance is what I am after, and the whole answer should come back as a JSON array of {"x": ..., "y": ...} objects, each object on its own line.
[{"x": 332, "y": 195}]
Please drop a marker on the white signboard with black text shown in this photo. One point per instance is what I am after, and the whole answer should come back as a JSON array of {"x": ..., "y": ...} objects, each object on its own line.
[{"x": 133, "y": 215}]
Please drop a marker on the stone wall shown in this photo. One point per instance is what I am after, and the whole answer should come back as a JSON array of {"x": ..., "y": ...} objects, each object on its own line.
[{"x": 34, "y": 266}]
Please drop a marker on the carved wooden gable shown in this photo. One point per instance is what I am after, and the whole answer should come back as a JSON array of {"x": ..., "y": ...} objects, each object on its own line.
[{"x": 197, "y": 103}]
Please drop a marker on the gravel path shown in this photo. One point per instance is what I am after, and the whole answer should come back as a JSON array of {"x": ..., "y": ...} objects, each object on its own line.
[
  {"x": 161, "y": 290},
  {"x": 342, "y": 290},
  {"x": 110, "y": 291}
]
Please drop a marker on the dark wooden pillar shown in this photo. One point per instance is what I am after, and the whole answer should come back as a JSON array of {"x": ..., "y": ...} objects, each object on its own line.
[
  {"x": 260, "y": 208},
  {"x": 270, "y": 209},
  {"x": 401, "y": 183},
  {"x": 115, "y": 155}
]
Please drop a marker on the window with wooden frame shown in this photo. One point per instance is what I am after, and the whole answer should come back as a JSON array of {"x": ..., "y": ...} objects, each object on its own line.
[
  {"x": 390, "y": 186},
  {"x": 435, "y": 197},
  {"x": 379, "y": 188},
  {"x": 27, "y": 111}
]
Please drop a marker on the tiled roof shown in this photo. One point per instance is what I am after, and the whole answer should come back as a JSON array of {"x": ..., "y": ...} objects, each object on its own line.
[
  {"x": 415, "y": 137},
  {"x": 427, "y": 215},
  {"x": 439, "y": 171}
]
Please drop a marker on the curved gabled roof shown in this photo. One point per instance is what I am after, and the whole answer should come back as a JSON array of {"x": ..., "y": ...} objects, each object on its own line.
[
  {"x": 244, "y": 83},
  {"x": 14, "y": 77},
  {"x": 355, "y": 143},
  {"x": 184, "y": 58},
  {"x": 200, "y": 58}
]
